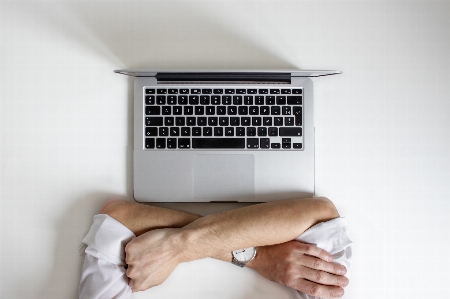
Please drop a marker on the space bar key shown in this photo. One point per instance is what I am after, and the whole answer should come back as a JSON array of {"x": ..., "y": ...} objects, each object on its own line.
[{"x": 218, "y": 142}]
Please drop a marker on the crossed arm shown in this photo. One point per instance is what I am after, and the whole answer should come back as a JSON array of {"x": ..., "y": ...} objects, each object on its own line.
[{"x": 168, "y": 237}]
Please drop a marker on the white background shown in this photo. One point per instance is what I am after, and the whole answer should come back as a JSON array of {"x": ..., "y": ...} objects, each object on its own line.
[{"x": 382, "y": 130}]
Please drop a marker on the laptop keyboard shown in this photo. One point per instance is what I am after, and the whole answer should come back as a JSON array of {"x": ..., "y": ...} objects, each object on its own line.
[{"x": 223, "y": 118}]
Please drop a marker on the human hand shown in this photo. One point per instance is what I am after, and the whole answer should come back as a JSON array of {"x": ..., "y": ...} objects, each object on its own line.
[
  {"x": 152, "y": 257},
  {"x": 303, "y": 267}
]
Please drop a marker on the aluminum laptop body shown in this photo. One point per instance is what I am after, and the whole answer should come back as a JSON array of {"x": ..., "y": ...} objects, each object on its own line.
[{"x": 172, "y": 165}]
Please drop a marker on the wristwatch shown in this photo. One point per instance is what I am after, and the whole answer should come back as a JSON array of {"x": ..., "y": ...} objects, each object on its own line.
[{"x": 242, "y": 256}]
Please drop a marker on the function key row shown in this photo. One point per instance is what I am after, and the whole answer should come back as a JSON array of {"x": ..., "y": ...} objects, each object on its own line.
[
  {"x": 224, "y": 100},
  {"x": 220, "y": 91}
]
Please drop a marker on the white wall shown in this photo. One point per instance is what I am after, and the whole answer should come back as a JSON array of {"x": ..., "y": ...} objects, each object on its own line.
[{"x": 382, "y": 129}]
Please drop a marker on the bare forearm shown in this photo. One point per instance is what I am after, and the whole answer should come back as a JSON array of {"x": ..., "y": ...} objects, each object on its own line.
[{"x": 257, "y": 225}]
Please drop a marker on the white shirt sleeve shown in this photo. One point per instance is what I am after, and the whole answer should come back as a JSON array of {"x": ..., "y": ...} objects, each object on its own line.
[
  {"x": 104, "y": 275},
  {"x": 332, "y": 237}
]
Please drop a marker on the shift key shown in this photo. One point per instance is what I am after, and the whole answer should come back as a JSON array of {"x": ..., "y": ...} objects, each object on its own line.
[{"x": 291, "y": 131}]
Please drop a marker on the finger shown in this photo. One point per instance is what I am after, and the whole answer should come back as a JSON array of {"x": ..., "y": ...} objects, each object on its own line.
[
  {"x": 323, "y": 277},
  {"x": 318, "y": 264},
  {"x": 317, "y": 290},
  {"x": 313, "y": 250}
]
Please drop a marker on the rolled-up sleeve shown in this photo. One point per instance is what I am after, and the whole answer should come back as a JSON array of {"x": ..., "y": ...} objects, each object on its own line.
[
  {"x": 332, "y": 237},
  {"x": 104, "y": 274}
]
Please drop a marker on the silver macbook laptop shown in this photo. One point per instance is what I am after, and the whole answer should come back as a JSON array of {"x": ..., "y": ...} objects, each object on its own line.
[{"x": 223, "y": 136}]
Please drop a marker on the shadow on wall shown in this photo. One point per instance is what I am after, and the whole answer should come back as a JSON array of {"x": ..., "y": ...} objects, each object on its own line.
[{"x": 158, "y": 35}]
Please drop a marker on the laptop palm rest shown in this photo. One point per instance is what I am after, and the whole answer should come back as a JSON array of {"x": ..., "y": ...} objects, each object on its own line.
[{"x": 224, "y": 177}]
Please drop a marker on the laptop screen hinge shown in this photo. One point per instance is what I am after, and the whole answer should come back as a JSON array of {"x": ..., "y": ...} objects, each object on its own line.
[{"x": 223, "y": 78}]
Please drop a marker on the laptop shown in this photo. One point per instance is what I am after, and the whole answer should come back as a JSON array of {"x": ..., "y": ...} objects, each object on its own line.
[{"x": 223, "y": 136}]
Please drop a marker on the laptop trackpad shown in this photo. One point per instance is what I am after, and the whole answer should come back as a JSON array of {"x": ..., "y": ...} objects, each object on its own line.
[{"x": 224, "y": 177}]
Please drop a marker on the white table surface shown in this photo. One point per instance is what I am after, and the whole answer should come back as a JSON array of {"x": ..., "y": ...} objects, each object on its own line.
[{"x": 382, "y": 130}]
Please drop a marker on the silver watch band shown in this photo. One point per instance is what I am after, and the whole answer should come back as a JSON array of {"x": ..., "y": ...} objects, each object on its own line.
[{"x": 234, "y": 261}]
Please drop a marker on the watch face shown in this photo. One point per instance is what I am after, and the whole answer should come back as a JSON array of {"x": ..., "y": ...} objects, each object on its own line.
[{"x": 244, "y": 255}]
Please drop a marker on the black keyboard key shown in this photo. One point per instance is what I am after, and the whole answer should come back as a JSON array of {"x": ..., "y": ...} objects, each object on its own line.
[
  {"x": 185, "y": 131},
  {"x": 163, "y": 131},
  {"x": 270, "y": 100},
  {"x": 212, "y": 121},
  {"x": 254, "y": 110},
  {"x": 218, "y": 91},
  {"x": 195, "y": 91},
  {"x": 218, "y": 131},
  {"x": 264, "y": 110},
  {"x": 215, "y": 100},
  {"x": 252, "y": 143},
  {"x": 180, "y": 121},
  {"x": 262, "y": 131},
  {"x": 149, "y": 100},
  {"x": 184, "y": 143},
  {"x": 204, "y": 100},
  {"x": 294, "y": 100},
  {"x": 149, "y": 91},
  {"x": 169, "y": 121},
  {"x": 218, "y": 142},
  {"x": 240, "y": 131},
  {"x": 264, "y": 142},
  {"x": 229, "y": 131},
  {"x": 245, "y": 121},
  {"x": 292, "y": 131},
  {"x": 281, "y": 100},
  {"x": 243, "y": 110},
  {"x": 232, "y": 110},
  {"x": 223, "y": 121},
  {"x": 201, "y": 121},
  {"x": 166, "y": 110},
  {"x": 210, "y": 110},
  {"x": 248, "y": 100},
  {"x": 259, "y": 100},
  {"x": 177, "y": 110},
  {"x": 285, "y": 140},
  {"x": 275, "y": 91},
  {"x": 193, "y": 100},
  {"x": 286, "y": 145},
  {"x": 152, "y": 110},
  {"x": 149, "y": 142},
  {"x": 190, "y": 121},
  {"x": 184, "y": 91},
  {"x": 267, "y": 121},
  {"x": 196, "y": 131},
  {"x": 297, "y": 145},
  {"x": 273, "y": 131},
  {"x": 173, "y": 91},
  {"x": 277, "y": 121},
  {"x": 252, "y": 91},
  {"x": 161, "y": 100},
  {"x": 229, "y": 91},
  {"x": 188, "y": 110},
  {"x": 226, "y": 100},
  {"x": 285, "y": 91},
  {"x": 162, "y": 91},
  {"x": 237, "y": 100},
  {"x": 174, "y": 131},
  {"x": 234, "y": 121},
  {"x": 151, "y": 131},
  {"x": 297, "y": 91},
  {"x": 251, "y": 131},
  {"x": 182, "y": 100},
  {"x": 154, "y": 121},
  {"x": 288, "y": 121},
  {"x": 207, "y": 91},
  {"x": 199, "y": 110},
  {"x": 275, "y": 145},
  {"x": 171, "y": 143},
  {"x": 275, "y": 110},
  {"x": 160, "y": 143},
  {"x": 207, "y": 131},
  {"x": 240, "y": 91},
  {"x": 221, "y": 110},
  {"x": 286, "y": 110},
  {"x": 263, "y": 91},
  {"x": 256, "y": 121},
  {"x": 172, "y": 100}
]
